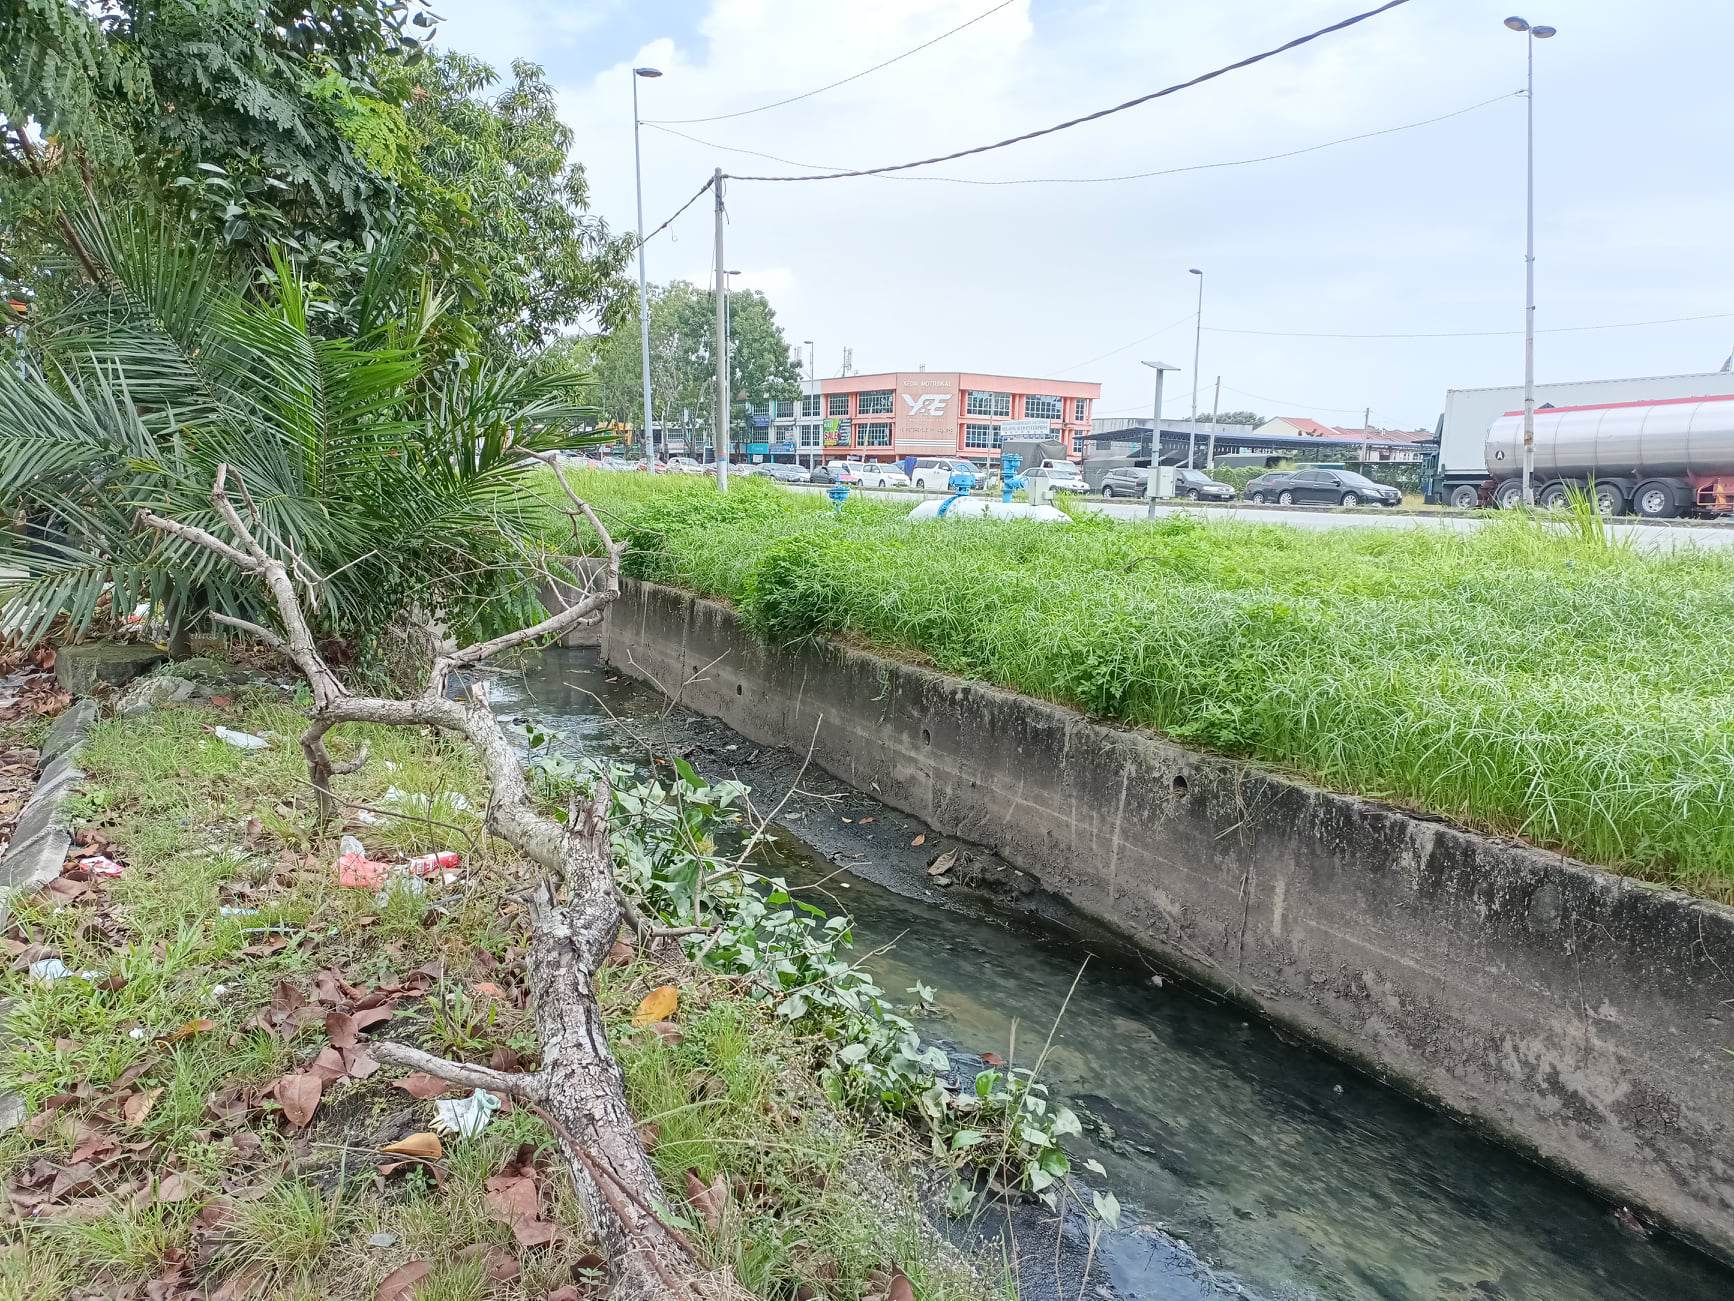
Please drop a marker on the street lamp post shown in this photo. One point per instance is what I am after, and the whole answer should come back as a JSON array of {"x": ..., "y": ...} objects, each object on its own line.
[
  {"x": 1160, "y": 367},
  {"x": 1532, "y": 34},
  {"x": 643, "y": 292},
  {"x": 813, "y": 384},
  {"x": 1197, "y": 341}
]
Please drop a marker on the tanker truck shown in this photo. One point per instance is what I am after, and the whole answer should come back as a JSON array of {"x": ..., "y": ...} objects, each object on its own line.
[
  {"x": 1472, "y": 472},
  {"x": 1658, "y": 460}
]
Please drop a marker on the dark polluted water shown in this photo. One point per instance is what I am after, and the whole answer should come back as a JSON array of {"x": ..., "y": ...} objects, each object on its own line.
[{"x": 1286, "y": 1172}]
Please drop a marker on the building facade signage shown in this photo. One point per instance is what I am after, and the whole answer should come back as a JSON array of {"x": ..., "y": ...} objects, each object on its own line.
[
  {"x": 926, "y": 410},
  {"x": 836, "y": 432}
]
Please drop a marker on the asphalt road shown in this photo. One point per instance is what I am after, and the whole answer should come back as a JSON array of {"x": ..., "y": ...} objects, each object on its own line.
[{"x": 1645, "y": 537}]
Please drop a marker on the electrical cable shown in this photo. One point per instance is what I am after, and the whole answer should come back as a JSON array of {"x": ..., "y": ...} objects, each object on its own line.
[
  {"x": 1304, "y": 406},
  {"x": 721, "y": 117},
  {"x": 1122, "y": 348},
  {"x": 683, "y": 207},
  {"x": 1475, "y": 334},
  {"x": 1099, "y": 113},
  {"x": 1129, "y": 176}
]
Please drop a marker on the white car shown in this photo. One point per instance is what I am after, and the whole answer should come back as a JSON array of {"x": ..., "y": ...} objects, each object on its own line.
[
  {"x": 1059, "y": 478},
  {"x": 869, "y": 474},
  {"x": 933, "y": 473},
  {"x": 684, "y": 465}
]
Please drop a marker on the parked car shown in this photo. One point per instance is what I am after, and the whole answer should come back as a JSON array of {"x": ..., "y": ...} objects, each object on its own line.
[
  {"x": 785, "y": 473},
  {"x": 819, "y": 474},
  {"x": 1321, "y": 487},
  {"x": 844, "y": 472},
  {"x": 1126, "y": 481},
  {"x": 1195, "y": 485},
  {"x": 685, "y": 465},
  {"x": 933, "y": 473},
  {"x": 871, "y": 474},
  {"x": 1058, "y": 477}
]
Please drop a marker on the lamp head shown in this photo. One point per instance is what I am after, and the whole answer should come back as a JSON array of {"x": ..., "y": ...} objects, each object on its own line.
[
  {"x": 1194, "y": 271},
  {"x": 1159, "y": 365},
  {"x": 1516, "y": 24},
  {"x": 1541, "y": 33},
  {"x": 647, "y": 72}
]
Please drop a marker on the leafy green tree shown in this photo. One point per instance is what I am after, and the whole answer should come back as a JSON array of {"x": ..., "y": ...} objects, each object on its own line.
[
  {"x": 1236, "y": 418},
  {"x": 682, "y": 362},
  {"x": 318, "y": 129}
]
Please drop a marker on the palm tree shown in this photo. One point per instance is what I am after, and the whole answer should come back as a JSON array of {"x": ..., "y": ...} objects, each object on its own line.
[{"x": 389, "y": 475}]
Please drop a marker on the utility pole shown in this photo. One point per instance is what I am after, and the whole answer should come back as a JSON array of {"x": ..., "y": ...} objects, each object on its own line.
[
  {"x": 1197, "y": 342},
  {"x": 643, "y": 294},
  {"x": 721, "y": 435},
  {"x": 1215, "y": 410},
  {"x": 1531, "y": 35}
]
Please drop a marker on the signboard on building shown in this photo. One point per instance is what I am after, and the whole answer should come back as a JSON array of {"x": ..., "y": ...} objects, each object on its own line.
[
  {"x": 836, "y": 432},
  {"x": 927, "y": 411},
  {"x": 1033, "y": 430},
  {"x": 782, "y": 449},
  {"x": 758, "y": 449},
  {"x": 761, "y": 421}
]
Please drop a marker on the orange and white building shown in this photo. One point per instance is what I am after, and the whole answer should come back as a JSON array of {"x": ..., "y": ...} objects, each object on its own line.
[{"x": 888, "y": 416}]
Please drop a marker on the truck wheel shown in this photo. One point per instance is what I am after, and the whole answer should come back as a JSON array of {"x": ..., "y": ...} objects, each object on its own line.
[
  {"x": 1285, "y": 498},
  {"x": 1655, "y": 500},
  {"x": 1351, "y": 499},
  {"x": 1553, "y": 496},
  {"x": 1609, "y": 499},
  {"x": 1509, "y": 495},
  {"x": 1465, "y": 496}
]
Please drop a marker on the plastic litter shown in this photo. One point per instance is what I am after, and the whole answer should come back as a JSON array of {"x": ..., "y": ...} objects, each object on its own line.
[
  {"x": 102, "y": 865},
  {"x": 382, "y": 1239},
  {"x": 454, "y": 800},
  {"x": 466, "y": 1117},
  {"x": 49, "y": 970},
  {"x": 428, "y": 864},
  {"x": 229, "y": 911},
  {"x": 242, "y": 740},
  {"x": 398, "y": 882}
]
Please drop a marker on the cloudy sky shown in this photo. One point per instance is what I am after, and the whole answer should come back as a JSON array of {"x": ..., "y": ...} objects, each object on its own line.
[{"x": 1412, "y": 232}]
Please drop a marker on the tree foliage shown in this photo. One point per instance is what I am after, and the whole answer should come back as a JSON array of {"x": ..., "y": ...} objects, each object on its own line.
[
  {"x": 394, "y": 475},
  {"x": 682, "y": 358},
  {"x": 318, "y": 129}
]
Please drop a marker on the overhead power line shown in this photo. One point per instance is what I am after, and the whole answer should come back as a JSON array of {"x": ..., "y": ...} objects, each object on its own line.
[
  {"x": 1128, "y": 176},
  {"x": 683, "y": 207},
  {"x": 1122, "y": 348},
  {"x": 1284, "y": 402},
  {"x": 1099, "y": 113},
  {"x": 808, "y": 94},
  {"x": 1473, "y": 334}
]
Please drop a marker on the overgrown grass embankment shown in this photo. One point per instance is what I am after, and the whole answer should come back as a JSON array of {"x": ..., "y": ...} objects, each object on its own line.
[
  {"x": 163, "y": 1155},
  {"x": 1523, "y": 679}
]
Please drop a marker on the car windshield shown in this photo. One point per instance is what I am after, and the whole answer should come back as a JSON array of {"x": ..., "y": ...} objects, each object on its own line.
[
  {"x": 1353, "y": 480},
  {"x": 1192, "y": 476}
]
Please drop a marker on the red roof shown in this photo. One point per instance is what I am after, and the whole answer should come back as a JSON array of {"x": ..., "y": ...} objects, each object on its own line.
[{"x": 1305, "y": 426}]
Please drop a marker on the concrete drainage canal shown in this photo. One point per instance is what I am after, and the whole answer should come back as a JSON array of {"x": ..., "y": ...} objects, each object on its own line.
[{"x": 1248, "y": 1164}]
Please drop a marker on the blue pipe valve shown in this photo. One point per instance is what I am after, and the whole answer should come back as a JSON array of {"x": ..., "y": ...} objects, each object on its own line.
[
  {"x": 960, "y": 483},
  {"x": 838, "y": 493},
  {"x": 1010, "y": 480}
]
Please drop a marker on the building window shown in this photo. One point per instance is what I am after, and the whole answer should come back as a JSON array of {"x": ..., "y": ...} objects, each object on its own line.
[
  {"x": 1078, "y": 410},
  {"x": 873, "y": 435},
  {"x": 981, "y": 435},
  {"x": 812, "y": 434},
  {"x": 810, "y": 405},
  {"x": 781, "y": 408},
  {"x": 987, "y": 404},
  {"x": 873, "y": 402},
  {"x": 1037, "y": 406},
  {"x": 837, "y": 404}
]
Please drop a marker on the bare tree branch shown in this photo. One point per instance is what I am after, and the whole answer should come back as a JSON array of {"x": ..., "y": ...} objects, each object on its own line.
[{"x": 252, "y": 629}]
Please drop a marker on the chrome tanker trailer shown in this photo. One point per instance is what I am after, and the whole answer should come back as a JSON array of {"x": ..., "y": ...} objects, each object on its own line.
[{"x": 1656, "y": 459}]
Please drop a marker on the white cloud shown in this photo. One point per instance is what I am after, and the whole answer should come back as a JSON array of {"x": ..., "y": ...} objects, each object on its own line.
[{"x": 1418, "y": 231}]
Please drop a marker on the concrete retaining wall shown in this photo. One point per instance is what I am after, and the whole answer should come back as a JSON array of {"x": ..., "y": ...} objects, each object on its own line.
[{"x": 1581, "y": 1016}]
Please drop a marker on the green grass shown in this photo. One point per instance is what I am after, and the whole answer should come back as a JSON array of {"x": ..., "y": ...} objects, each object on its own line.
[
  {"x": 736, "y": 1097},
  {"x": 1524, "y": 679}
]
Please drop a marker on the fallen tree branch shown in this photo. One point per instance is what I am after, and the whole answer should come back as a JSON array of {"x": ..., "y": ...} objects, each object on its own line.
[{"x": 574, "y": 905}]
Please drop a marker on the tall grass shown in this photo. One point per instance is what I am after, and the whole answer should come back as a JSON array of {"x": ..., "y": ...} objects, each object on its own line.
[{"x": 1524, "y": 678}]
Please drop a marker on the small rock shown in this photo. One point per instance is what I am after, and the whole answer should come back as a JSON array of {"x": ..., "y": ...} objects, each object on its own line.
[
  {"x": 382, "y": 1239},
  {"x": 943, "y": 881}
]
